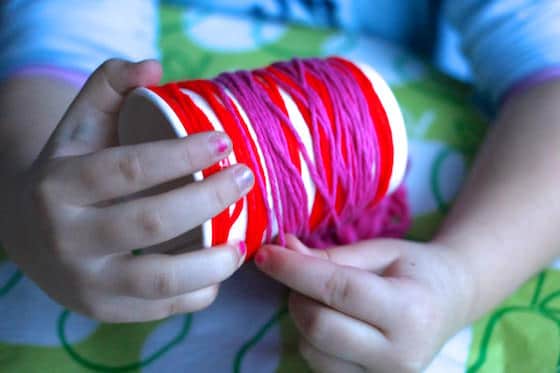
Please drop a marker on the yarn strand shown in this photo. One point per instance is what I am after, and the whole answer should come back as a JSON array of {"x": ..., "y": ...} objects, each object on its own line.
[{"x": 350, "y": 160}]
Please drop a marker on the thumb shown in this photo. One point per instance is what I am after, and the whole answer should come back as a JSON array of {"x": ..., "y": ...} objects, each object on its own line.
[{"x": 90, "y": 123}]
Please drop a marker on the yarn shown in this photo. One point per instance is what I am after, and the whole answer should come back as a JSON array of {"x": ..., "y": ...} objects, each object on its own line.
[{"x": 347, "y": 151}]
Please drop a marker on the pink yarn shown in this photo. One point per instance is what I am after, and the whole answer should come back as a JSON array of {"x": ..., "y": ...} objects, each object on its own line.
[{"x": 352, "y": 122}]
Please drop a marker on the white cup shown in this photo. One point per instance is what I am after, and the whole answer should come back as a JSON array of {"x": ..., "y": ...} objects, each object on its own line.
[{"x": 145, "y": 116}]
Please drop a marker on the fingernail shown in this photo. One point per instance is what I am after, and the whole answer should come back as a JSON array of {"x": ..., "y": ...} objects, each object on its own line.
[
  {"x": 242, "y": 247},
  {"x": 244, "y": 178},
  {"x": 219, "y": 144},
  {"x": 260, "y": 258}
]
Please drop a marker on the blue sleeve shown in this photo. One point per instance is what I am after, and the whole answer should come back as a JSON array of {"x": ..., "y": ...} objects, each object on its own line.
[
  {"x": 75, "y": 35},
  {"x": 506, "y": 41}
]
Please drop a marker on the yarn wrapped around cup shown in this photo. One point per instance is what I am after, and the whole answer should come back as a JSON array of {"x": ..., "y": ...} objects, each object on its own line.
[{"x": 324, "y": 138}]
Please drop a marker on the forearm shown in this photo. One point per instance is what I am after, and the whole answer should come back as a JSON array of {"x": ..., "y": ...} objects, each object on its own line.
[
  {"x": 31, "y": 108},
  {"x": 504, "y": 224}
]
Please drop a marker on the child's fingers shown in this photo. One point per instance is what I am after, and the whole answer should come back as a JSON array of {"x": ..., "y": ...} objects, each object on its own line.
[
  {"x": 293, "y": 243},
  {"x": 159, "y": 276},
  {"x": 320, "y": 361},
  {"x": 91, "y": 118},
  {"x": 155, "y": 219},
  {"x": 108, "y": 85},
  {"x": 374, "y": 255},
  {"x": 121, "y": 171},
  {"x": 124, "y": 309},
  {"x": 181, "y": 304},
  {"x": 336, "y": 333},
  {"x": 352, "y": 291}
]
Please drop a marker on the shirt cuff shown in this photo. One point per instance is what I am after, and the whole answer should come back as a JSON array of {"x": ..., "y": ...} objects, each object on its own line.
[
  {"x": 73, "y": 77},
  {"x": 542, "y": 76}
]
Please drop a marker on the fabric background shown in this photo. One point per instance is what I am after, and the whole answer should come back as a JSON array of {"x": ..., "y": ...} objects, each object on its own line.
[{"x": 247, "y": 329}]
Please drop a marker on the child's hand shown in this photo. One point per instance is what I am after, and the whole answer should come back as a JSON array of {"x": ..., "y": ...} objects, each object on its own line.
[
  {"x": 74, "y": 232},
  {"x": 376, "y": 306}
]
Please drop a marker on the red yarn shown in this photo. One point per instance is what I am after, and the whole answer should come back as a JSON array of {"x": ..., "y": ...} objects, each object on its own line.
[
  {"x": 382, "y": 127},
  {"x": 350, "y": 133}
]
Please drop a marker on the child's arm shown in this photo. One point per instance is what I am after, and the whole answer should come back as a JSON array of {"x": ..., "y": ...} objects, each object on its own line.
[
  {"x": 510, "y": 203},
  {"x": 504, "y": 225},
  {"x": 31, "y": 108}
]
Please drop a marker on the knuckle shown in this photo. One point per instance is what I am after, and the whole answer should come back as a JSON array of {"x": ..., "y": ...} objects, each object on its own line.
[
  {"x": 315, "y": 327},
  {"x": 337, "y": 288},
  {"x": 164, "y": 284},
  {"x": 150, "y": 223},
  {"x": 130, "y": 167}
]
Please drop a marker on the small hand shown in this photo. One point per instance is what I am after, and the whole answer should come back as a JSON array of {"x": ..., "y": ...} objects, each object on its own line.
[
  {"x": 80, "y": 211},
  {"x": 375, "y": 306}
]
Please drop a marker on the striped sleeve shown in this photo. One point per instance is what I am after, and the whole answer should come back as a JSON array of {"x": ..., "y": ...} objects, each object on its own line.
[
  {"x": 508, "y": 43},
  {"x": 74, "y": 36}
]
